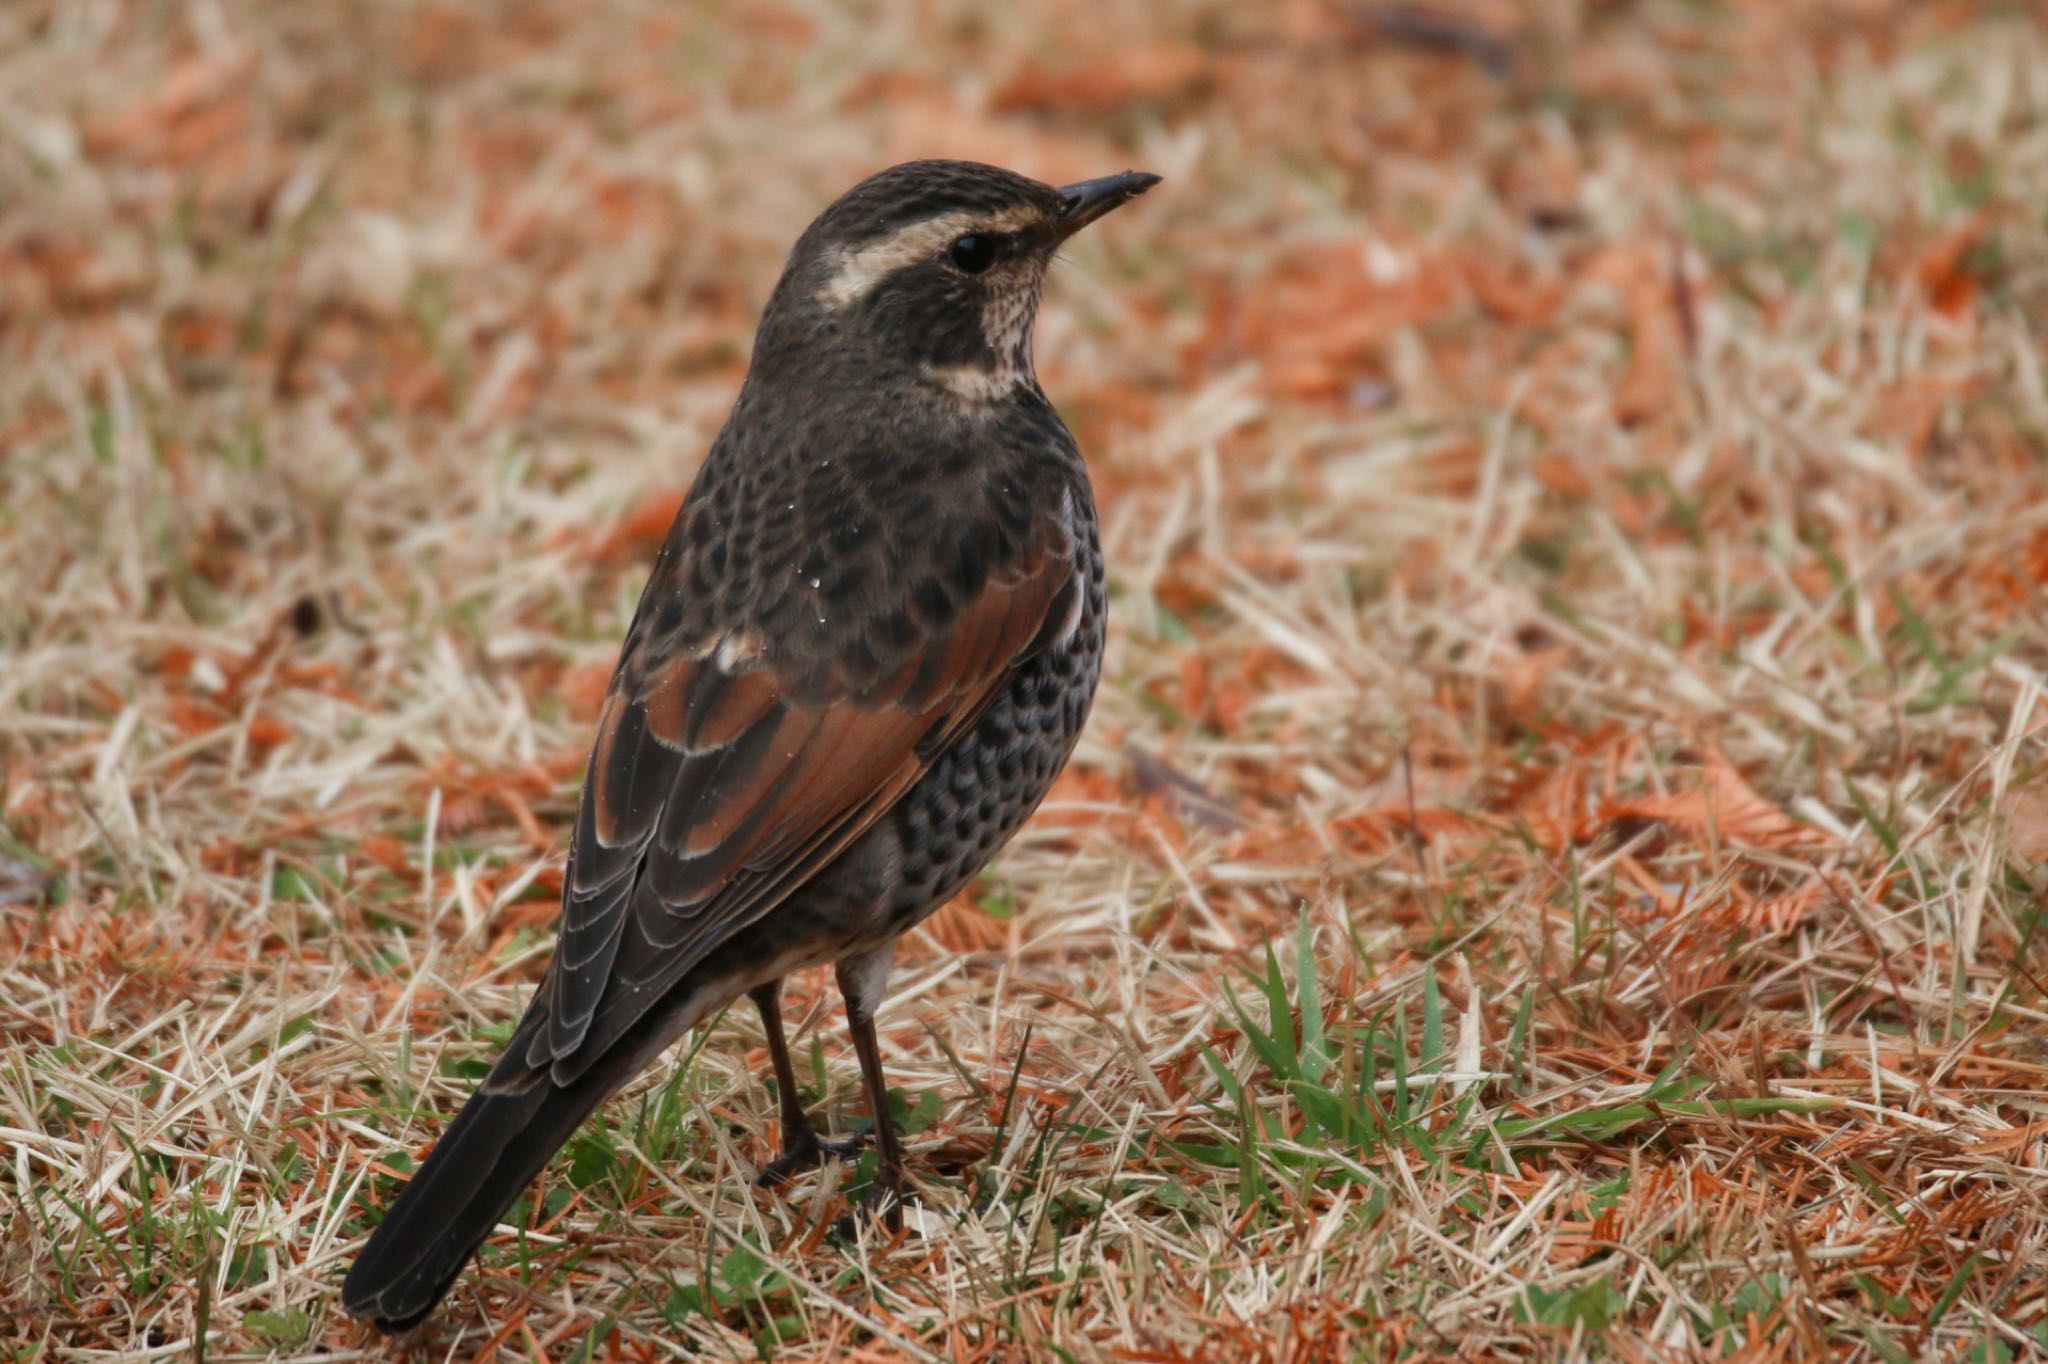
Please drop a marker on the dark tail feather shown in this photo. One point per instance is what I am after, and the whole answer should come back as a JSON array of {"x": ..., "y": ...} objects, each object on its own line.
[{"x": 493, "y": 1149}]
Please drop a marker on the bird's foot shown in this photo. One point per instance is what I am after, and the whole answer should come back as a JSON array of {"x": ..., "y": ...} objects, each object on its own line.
[
  {"x": 882, "y": 1204},
  {"x": 802, "y": 1155}
]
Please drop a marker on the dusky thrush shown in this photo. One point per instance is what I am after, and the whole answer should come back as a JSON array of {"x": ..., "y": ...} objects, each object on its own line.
[{"x": 866, "y": 649}]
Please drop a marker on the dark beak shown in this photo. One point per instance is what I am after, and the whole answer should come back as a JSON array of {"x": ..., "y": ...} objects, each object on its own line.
[{"x": 1083, "y": 203}]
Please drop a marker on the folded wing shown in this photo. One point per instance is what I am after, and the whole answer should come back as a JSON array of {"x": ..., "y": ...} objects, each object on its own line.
[{"x": 719, "y": 785}]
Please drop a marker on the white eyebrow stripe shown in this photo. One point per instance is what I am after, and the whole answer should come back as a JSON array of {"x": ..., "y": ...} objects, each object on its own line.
[{"x": 857, "y": 271}]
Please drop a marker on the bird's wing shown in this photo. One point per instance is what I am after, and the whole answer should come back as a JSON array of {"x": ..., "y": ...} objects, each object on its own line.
[{"x": 717, "y": 787}]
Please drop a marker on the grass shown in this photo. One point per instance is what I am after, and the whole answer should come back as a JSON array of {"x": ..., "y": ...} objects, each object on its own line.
[{"x": 1556, "y": 869}]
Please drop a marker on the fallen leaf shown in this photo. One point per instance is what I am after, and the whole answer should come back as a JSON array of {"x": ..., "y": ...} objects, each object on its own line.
[
  {"x": 387, "y": 852},
  {"x": 1722, "y": 806},
  {"x": 1950, "y": 288},
  {"x": 1154, "y": 74},
  {"x": 1376, "y": 830},
  {"x": 647, "y": 522},
  {"x": 962, "y": 926},
  {"x": 583, "y": 689},
  {"x": 1783, "y": 913},
  {"x": 2025, "y": 815},
  {"x": 1520, "y": 676},
  {"x": 266, "y": 732}
]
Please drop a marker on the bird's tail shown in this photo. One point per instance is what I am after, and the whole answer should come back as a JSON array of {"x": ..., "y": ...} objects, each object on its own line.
[{"x": 493, "y": 1149}]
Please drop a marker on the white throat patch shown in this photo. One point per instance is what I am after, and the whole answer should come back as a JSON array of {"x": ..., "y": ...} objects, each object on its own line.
[
  {"x": 1007, "y": 326},
  {"x": 973, "y": 384}
]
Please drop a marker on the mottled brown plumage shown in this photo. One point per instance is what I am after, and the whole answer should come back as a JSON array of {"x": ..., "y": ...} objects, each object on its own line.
[{"x": 865, "y": 651}]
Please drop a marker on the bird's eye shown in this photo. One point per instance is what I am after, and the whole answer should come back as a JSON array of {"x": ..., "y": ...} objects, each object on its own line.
[{"x": 972, "y": 253}]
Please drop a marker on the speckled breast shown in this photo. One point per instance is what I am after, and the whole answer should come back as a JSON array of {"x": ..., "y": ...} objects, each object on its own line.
[{"x": 980, "y": 791}]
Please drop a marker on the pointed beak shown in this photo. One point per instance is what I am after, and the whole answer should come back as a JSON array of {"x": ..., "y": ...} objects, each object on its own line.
[{"x": 1081, "y": 204}]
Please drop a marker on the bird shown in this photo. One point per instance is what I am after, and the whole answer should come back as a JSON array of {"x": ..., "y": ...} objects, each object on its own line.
[{"x": 865, "y": 650}]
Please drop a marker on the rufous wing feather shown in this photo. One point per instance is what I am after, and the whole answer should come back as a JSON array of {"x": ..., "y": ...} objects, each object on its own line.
[{"x": 714, "y": 791}]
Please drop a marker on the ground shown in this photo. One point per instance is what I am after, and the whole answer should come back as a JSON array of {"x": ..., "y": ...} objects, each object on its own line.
[{"x": 1556, "y": 864}]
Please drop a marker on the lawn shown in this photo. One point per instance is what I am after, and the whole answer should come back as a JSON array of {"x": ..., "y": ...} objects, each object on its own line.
[{"x": 1557, "y": 863}]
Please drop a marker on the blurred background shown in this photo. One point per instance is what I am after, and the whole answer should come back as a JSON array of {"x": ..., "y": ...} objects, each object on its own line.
[{"x": 1572, "y": 473}]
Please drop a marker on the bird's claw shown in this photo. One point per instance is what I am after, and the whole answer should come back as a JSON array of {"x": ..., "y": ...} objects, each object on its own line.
[
  {"x": 806, "y": 1155},
  {"x": 883, "y": 1203}
]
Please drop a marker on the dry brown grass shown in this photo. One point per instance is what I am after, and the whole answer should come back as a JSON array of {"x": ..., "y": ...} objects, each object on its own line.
[{"x": 1574, "y": 477}]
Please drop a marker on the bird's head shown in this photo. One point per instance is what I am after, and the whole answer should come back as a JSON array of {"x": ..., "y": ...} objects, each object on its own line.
[{"x": 931, "y": 271}]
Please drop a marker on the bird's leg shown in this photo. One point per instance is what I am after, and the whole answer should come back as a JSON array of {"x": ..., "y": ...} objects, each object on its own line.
[
  {"x": 861, "y": 980},
  {"x": 802, "y": 1147}
]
